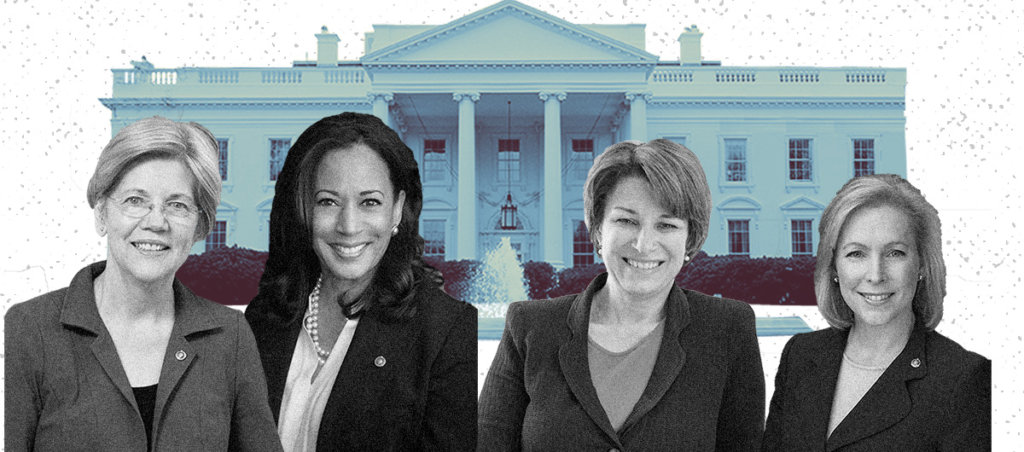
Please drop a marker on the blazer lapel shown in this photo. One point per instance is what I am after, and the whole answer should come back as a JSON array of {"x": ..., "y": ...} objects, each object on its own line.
[
  {"x": 888, "y": 401},
  {"x": 572, "y": 357},
  {"x": 80, "y": 312},
  {"x": 822, "y": 365},
  {"x": 671, "y": 356},
  {"x": 190, "y": 317},
  {"x": 363, "y": 377}
]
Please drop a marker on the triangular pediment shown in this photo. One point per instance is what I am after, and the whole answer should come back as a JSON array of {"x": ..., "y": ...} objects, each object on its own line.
[
  {"x": 803, "y": 203},
  {"x": 739, "y": 203},
  {"x": 509, "y": 33}
]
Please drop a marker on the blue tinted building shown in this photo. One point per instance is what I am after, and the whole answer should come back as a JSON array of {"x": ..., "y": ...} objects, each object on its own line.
[{"x": 506, "y": 108}]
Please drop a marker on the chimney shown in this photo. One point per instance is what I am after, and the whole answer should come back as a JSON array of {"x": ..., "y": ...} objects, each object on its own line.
[
  {"x": 689, "y": 47},
  {"x": 326, "y": 48}
]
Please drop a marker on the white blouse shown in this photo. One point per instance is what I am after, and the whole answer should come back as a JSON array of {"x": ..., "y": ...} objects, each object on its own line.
[{"x": 305, "y": 397}]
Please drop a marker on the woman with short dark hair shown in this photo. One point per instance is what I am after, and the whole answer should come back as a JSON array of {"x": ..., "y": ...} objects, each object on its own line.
[
  {"x": 126, "y": 357},
  {"x": 881, "y": 377},
  {"x": 634, "y": 362},
  {"x": 362, "y": 349}
]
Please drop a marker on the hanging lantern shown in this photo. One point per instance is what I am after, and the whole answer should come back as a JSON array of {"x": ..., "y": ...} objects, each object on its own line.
[{"x": 508, "y": 213}]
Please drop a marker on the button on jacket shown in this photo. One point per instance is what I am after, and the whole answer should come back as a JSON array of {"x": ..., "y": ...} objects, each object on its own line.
[
  {"x": 934, "y": 396},
  {"x": 706, "y": 391},
  {"x": 66, "y": 389}
]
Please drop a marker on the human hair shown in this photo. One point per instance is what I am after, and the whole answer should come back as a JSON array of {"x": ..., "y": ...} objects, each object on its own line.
[
  {"x": 160, "y": 138},
  {"x": 674, "y": 173},
  {"x": 875, "y": 191},
  {"x": 293, "y": 267}
]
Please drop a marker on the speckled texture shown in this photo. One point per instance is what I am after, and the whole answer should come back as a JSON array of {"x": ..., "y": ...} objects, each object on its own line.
[{"x": 963, "y": 62}]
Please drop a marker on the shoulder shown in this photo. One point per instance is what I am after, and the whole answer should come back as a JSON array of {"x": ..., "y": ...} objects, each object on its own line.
[
  {"x": 542, "y": 313},
  {"x": 945, "y": 353},
  {"x": 33, "y": 314},
  {"x": 438, "y": 313},
  {"x": 717, "y": 309},
  {"x": 43, "y": 306}
]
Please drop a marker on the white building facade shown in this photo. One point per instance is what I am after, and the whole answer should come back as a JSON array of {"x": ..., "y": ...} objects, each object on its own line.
[{"x": 507, "y": 107}]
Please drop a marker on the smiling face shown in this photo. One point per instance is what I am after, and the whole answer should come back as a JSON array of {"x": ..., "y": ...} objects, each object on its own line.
[
  {"x": 355, "y": 210},
  {"x": 149, "y": 245},
  {"x": 877, "y": 263},
  {"x": 642, "y": 244}
]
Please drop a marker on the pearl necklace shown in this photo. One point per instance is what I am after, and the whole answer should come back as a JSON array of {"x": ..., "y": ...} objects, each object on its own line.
[{"x": 312, "y": 322}]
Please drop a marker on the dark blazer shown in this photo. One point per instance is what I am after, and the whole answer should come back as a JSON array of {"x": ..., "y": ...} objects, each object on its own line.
[
  {"x": 67, "y": 390},
  {"x": 706, "y": 391},
  {"x": 934, "y": 396},
  {"x": 422, "y": 398}
]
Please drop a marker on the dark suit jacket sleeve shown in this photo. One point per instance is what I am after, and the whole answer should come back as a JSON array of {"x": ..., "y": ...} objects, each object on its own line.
[
  {"x": 972, "y": 409},
  {"x": 773, "y": 430},
  {"x": 741, "y": 421},
  {"x": 252, "y": 425},
  {"x": 504, "y": 399},
  {"x": 21, "y": 391},
  {"x": 451, "y": 406}
]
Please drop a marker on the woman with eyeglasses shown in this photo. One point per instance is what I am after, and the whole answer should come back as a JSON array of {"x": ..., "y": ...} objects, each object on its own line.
[{"x": 126, "y": 357}]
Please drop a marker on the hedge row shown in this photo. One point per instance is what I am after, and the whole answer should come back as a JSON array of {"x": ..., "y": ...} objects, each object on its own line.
[{"x": 231, "y": 275}]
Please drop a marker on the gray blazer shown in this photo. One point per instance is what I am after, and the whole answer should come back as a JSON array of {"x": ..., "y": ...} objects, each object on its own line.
[
  {"x": 706, "y": 391},
  {"x": 66, "y": 389}
]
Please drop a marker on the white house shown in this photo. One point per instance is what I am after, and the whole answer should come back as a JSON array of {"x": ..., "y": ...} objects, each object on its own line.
[{"x": 506, "y": 107}]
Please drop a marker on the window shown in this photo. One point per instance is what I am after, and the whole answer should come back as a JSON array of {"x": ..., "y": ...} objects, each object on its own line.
[
  {"x": 863, "y": 157},
  {"x": 435, "y": 162},
  {"x": 218, "y": 237},
  {"x": 736, "y": 159},
  {"x": 739, "y": 237},
  {"x": 582, "y": 247},
  {"x": 222, "y": 146},
  {"x": 800, "y": 159},
  {"x": 278, "y": 151},
  {"x": 582, "y": 158},
  {"x": 508, "y": 160},
  {"x": 433, "y": 238},
  {"x": 803, "y": 238}
]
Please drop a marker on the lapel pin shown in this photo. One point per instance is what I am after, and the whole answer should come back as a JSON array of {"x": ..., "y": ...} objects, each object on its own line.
[
  {"x": 379, "y": 361},
  {"x": 180, "y": 355},
  {"x": 915, "y": 363}
]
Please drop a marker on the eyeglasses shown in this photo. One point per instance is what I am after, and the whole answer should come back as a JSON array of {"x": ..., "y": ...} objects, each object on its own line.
[{"x": 137, "y": 206}]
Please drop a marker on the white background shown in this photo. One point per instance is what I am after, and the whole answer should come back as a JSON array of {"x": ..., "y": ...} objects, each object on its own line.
[{"x": 964, "y": 64}]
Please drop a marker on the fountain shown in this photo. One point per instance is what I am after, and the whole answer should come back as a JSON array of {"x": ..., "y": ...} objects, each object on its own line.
[{"x": 497, "y": 282}]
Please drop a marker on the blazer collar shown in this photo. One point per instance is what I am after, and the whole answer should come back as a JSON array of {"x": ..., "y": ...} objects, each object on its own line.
[
  {"x": 888, "y": 401},
  {"x": 572, "y": 356},
  {"x": 79, "y": 308},
  {"x": 191, "y": 316}
]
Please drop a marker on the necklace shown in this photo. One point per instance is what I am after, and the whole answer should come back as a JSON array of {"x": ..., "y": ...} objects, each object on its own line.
[{"x": 311, "y": 322}]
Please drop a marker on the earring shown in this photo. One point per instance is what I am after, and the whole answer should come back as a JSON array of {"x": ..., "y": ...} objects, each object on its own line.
[
  {"x": 835, "y": 279},
  {"x": 920, "y": 277},
  {"x": 686, "y": 258},
  {"x": 394, "y": 230}
]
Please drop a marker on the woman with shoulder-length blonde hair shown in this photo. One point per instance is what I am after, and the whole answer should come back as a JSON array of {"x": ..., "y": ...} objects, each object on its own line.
[
  {"x": 126, "y": 357},
  {"x": 634, "y": 362},
  {"x": 881, "y": 377}
]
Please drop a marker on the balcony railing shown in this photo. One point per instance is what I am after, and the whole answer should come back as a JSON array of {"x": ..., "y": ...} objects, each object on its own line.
[{"x": 206, "y": 77}]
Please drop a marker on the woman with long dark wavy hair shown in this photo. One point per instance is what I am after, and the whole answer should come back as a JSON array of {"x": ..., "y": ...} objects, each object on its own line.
[{"x": 361, "y": 348}]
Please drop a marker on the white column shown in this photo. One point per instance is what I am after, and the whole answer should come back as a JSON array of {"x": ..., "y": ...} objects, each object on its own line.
[
  {"x": 638, "y": 114},
  {"x": 551, "y": 230},
  {"x": 465, "y": 243},
  {"x": 381, "y": 101}
]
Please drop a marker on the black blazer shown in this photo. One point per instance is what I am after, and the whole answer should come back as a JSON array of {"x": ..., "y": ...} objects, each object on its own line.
[
  {"x": 934, "y": 396},
  {"x": 423, "y": 398},
  {"x": 706, "y": 391}
]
